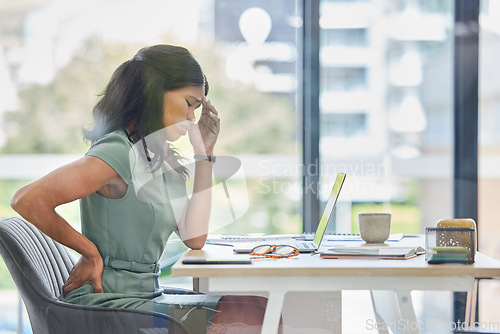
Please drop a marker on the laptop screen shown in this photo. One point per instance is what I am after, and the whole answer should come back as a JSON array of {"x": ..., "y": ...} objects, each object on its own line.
[{"x": 327, "y": 212}]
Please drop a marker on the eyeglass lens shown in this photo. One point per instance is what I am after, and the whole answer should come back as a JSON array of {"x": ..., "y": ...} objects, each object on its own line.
[
  {"x": 262, "y": 249},
  {"x": 280, "y": 250},
  {"x": 283, "y": 250}
]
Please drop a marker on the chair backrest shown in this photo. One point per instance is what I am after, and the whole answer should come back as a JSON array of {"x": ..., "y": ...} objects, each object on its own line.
[
  {"x": 31, "y": 255},
  {"x": 40, "y": 266}
]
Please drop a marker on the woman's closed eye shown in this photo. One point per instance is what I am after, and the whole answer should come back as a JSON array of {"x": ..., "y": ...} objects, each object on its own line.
[{"x": 189, "y": 104}]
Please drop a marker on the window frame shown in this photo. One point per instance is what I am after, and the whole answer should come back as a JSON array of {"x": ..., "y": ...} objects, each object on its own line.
[{"x": 465, "y": 121}]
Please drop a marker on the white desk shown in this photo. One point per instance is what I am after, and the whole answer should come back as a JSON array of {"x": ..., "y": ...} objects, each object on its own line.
[{"x": 311, "y": 273}]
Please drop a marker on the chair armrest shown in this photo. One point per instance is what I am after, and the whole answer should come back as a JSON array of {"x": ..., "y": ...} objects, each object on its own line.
[
  {"x": 102, "y": 320},
  {"x": 179, "y": 291}
]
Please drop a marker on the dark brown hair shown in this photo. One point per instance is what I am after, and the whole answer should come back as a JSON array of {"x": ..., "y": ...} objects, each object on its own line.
[{"x": 134, "y": 95}]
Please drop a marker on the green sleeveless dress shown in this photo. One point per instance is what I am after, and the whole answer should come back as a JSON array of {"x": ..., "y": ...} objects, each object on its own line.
[{"x": 131, "y": 234}]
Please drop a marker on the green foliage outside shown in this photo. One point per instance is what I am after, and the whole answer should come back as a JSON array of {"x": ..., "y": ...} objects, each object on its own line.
[
  {"x": 268, "y": 212},
  {"x": 6, "y": 282},
  {"x": 50, "y": 117},
  {"x": 9, "y": 187},
  {"x": 251, "y": 121},
  {"x": 406, "y": 218}
]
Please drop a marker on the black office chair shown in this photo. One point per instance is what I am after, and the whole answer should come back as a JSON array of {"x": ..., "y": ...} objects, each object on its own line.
[{"x": 40, "y": 266}]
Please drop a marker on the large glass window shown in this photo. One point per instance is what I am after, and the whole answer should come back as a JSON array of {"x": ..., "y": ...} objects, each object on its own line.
[{"x": 386, "y": 115}]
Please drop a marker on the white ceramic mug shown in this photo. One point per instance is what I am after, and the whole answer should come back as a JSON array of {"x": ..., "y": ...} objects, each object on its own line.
[{"x": 374, "y": 228}]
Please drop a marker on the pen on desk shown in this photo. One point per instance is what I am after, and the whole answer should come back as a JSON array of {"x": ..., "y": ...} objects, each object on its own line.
[
  {"x": 226, "y": 167},
  {"x": 229, "y": 200},
  {"x": 218, "y": 243}
]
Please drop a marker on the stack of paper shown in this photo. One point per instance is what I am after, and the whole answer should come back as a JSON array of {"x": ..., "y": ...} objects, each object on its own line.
[
  {"x": 449, "y": 254},
  {"x": 392, "y": 253}
]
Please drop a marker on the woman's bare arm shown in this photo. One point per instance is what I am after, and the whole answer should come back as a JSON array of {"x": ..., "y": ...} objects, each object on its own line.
[
  {"x": 37, "y": 201},
  {"x": 193, "y": 228}
]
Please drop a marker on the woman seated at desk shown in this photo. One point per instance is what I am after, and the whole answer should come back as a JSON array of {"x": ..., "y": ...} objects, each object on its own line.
[{"x": 132, "y": 191}]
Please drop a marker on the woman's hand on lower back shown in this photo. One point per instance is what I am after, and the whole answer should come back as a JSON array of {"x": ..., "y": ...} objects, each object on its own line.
[{"x": 86, "y": 270}]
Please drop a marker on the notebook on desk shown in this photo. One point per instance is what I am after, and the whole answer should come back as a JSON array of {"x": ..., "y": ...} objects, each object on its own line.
[
  {"x": 303, "y": 246},
  {"x": 350, "y": 237}
]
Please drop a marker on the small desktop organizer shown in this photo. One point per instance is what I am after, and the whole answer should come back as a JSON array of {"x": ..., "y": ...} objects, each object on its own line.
[{"x": 450, "y": 245}]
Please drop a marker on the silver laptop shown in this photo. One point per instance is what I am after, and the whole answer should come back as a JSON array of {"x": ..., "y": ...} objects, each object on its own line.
[{"x": 303, "y": 246}]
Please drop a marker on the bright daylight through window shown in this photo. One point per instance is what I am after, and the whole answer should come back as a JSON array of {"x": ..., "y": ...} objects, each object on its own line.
[{"x": 385, "y": 109}]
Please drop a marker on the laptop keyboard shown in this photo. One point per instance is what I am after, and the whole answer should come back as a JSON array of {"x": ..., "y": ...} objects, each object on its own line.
[
  {"x": 305, "y": 245},
  {"x": 252, "y": 238}
]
